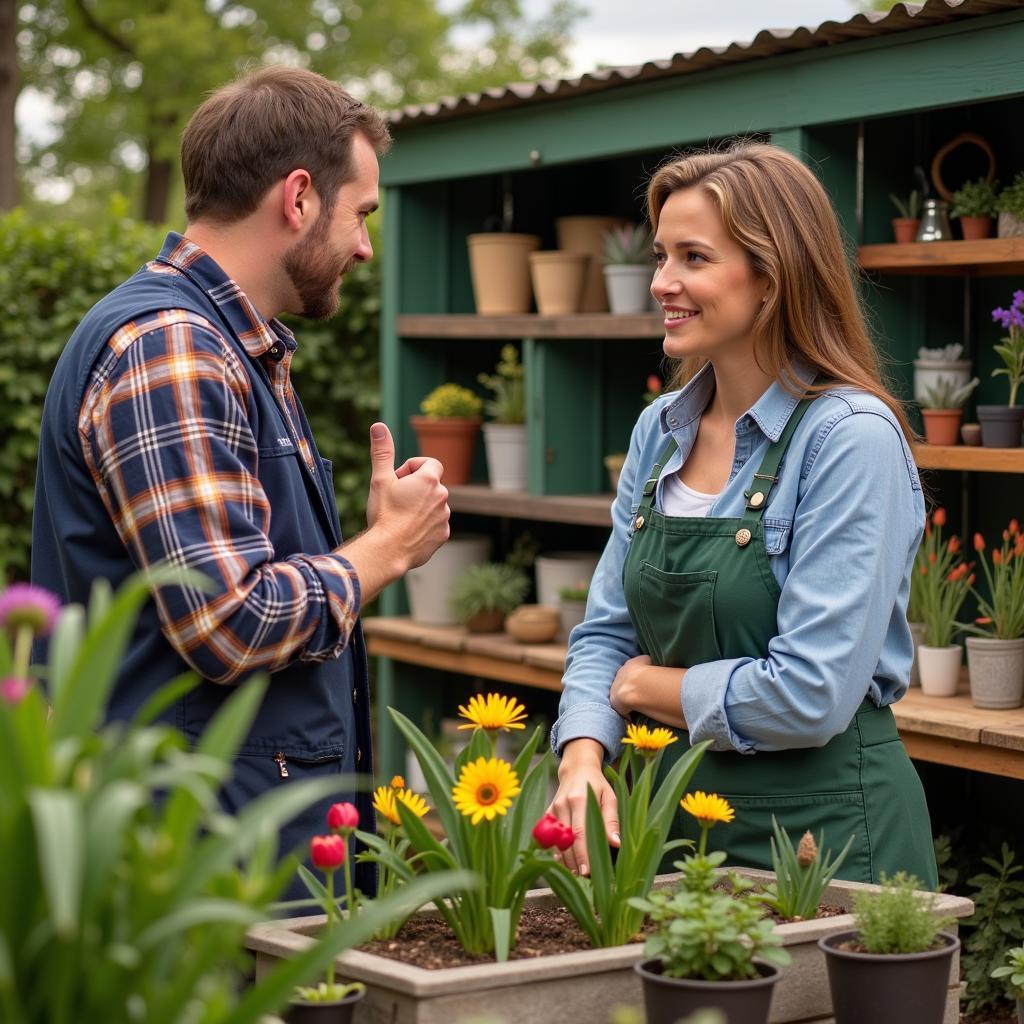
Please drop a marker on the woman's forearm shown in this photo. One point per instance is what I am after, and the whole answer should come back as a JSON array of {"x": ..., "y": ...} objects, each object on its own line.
[{"x": 650, "y": 690}]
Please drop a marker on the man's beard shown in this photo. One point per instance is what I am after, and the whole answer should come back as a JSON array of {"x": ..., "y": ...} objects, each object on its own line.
[{"x": 314, "y": 266}]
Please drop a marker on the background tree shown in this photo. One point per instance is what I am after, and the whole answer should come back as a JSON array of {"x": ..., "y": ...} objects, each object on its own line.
[{"x": 126, "y": 75}]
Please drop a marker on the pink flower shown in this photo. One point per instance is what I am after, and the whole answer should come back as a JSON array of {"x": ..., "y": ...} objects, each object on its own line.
[
  {"x": 342, "y": 818},
  {"x": 23, "y": 604},
  {"x": 327, "y": 852},
  {"x": 13, "y": 689},
  {"x": 549, "y": 831}
]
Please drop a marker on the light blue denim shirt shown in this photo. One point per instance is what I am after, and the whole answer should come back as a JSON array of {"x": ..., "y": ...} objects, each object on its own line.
[{"x": 841, "y": 528}]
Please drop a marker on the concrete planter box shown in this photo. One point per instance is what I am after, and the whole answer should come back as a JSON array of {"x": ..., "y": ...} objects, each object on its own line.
[{"x": 584, "y": 986}]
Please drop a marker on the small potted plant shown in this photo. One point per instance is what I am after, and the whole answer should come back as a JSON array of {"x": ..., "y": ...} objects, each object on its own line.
[
  {"x": 572, "y": 605},
  {"x": 942, "y": 409},
  {"x": 484, "y": 594},
  {"x": 895, "y": 966},
  {"x": 448, "y": 429},
  {"x": 1001, "y": 424},
  {"x": 505, "y": 434},
  {"x": 1013, "y": 971},
  {"x": 710, "y": 946},
  {"x": 1010, "y": 206},
  {"x": 944, "y": 582},
  {"x": 975, "y": 205},
  {"x": 995, "y": 650},
  {"x": 627, "y": 269},
  {"x": 904, "y": 227}
]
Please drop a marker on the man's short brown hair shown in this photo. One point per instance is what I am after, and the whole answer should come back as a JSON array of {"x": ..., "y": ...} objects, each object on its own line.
[{"x": 256, "y": 130}]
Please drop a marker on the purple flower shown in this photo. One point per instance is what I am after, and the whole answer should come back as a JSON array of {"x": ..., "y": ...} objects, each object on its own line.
[
  {"x": 13, "y": 689},
  {"x": 23, "y": 604},
  {"x": 998, "y": 313},
  {"x": 1018, "y": 298},
  {"x": 1016, "y": 318}
]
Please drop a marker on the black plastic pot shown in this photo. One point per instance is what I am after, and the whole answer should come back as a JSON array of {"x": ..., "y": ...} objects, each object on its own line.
[
  {"x": 339, "y": 1012},
  {"x": 666, "y": 1000},
  {"x": 894, "y": 989},
  {"x": 1020, "y": 1011},
  {"x": 1000, "y": 425}
]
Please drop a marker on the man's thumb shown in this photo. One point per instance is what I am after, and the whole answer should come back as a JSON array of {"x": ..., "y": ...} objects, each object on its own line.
[{"x": 382, "y": 450}]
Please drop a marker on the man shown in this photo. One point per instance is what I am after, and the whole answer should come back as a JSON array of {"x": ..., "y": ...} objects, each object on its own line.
[{"x": 171, "y": 434}]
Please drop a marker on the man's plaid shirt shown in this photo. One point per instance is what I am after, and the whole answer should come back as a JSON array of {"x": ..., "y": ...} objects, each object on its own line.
[{"x": 165, "y": 434}]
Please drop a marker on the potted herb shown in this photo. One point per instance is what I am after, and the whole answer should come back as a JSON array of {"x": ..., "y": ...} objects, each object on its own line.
[
  {"x": 505, "y": 434},
  {"x": 1010, "y": 205},
  {"x": 1013, "y": 971},
  {"x": 935, "y": 364},
  {"x": 628, "y": 269},
  {"x": 995, "y": 650},
  {"x": 448, "y": 428},
  {"x": 711, "y": 947},
  {"x": 484, "y": 594},
  {"x": 944, "y": 584},
  {"x": 1001, "y": 424},
  {"x": 895, "y": 966},
  {"x": 572, "y": 605},
  {"x": 942, "y": 409},
  {"x": 500, "y": 271},
  {"x": 975, "y": 205},
  {"x": 904, "y": 227}
]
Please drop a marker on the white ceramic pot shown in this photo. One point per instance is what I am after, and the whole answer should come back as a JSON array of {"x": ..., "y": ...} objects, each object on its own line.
[
  {"x": 939, "y": 669},
  {"x": 927, "y": 373},
  {"x": 573, "y": 613},
  {"x": 560, "y": 569},
  {"x": 505, "y": 444},
  {"x": 629, "y": 287},
  {"x": 917, "y": 635},
  {"x": 429, "y": 586},
  {"x": 996, "y": 668}
]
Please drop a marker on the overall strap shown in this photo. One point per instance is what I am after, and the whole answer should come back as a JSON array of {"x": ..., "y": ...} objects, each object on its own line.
[
  {"x": 651, "y": 484},
  {"x": 765, "y": 478}
]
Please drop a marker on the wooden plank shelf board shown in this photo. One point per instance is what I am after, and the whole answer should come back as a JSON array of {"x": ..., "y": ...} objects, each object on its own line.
[
  {"x": 578, "y": 509},
  {"x": 977, "y": 459},
  {"x": 530, "y": 325},
  {"x": 454, "y": 649},
  {"x": 986, "y": 257}
]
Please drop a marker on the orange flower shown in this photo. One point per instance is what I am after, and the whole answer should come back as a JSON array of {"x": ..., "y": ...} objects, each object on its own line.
[
  {"x": 1006, "y": 535},
  {"x": 923, "y": 570},
  {"x": 997, "y": 556},
  {"x": 931, "y": 557},
  {"x": 983, "y": 620},
  {"x": 979, "y": 542},
  {"x": 1018, "y": 547},
  {"x": 939, "y": 517},
  {"x": 1014, "y": 528},
  {"x": 970, "y": 580},
  {"x": 954, "y": 544}
]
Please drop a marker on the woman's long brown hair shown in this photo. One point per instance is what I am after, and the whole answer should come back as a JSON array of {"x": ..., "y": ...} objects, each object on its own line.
[{"x": 776, "y": 208}]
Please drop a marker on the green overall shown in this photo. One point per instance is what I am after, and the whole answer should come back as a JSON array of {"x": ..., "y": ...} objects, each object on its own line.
[{"x": 701, "y": 589}]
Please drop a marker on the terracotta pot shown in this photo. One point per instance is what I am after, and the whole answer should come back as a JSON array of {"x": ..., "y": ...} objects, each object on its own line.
[
  {"x": 586, "y": 234},
  {"x": 970, "y": 434},
  {"x": 500, "y": 272},
  {"x": 558, "y": 279},
  {"x": 892, "y": 989},
  {"x": 533, "y": 624},
  {"x": 742, "y": 1002},
  {"x": 489, "y": 621},
  {"x": 451, "y": 440},
  {"x": 942, "y": 426},
  {"x": 1000, "y": 425},
  {"x": 976, "y": 227},
  {"x": 904, "y": 229}
]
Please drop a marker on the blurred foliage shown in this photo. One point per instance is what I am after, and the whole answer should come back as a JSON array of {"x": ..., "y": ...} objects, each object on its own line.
[
  {"x": 125, "y": 84},
  {"x": 52, "y": 273}
]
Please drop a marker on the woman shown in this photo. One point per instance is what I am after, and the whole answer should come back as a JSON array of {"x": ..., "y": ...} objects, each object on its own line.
[{"x": 754, "y": 588}]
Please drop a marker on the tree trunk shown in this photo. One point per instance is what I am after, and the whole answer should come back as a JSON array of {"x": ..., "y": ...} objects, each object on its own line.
[
  {"x": 158, "y": 188},
  {"x": 9, "y": 84}
]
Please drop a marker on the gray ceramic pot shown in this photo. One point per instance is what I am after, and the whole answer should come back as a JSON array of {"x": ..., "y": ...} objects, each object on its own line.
[
  {"x": 1000, "y": 425},
  {"x": 996, "y": 668}
]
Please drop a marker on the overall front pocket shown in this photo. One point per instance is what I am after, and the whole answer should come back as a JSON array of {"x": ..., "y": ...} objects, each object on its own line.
[{"x": 677, "y": 616}]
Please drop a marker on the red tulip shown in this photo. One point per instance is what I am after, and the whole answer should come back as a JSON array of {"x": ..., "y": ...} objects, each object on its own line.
[
  {"x": 327, "y": 852},
  {"x": 939, "y": 517},
  {"x": 549, "y": 831},
  {"x": 342, "y": 818},
  {"x": 1014, "y": 527},
  {"x": 654, "y": 384},
  {"x": 997, "y": 556},
  {"x": 979, "y": 542},
  {"x": 954, "y": 545}
]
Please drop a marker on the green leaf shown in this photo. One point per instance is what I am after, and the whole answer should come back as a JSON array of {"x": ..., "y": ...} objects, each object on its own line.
[
  {"x": 59, "y": 828},
  {"x": 165, "y": 697},
  {"x": 501, "y": 918},
  {"x": 598, "y": 852}
]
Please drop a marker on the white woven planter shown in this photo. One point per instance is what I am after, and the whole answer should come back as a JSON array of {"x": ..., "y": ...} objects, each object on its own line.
[
  {"x": 939, "y": 669},
  {"x": 996, "y": 669}
]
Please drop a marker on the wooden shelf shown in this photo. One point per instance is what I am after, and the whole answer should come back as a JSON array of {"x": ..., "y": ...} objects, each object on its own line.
[
  {"x": 578, "y": 509},
  {"x": 979, "y": 460},
  {"x": 455, "y": 649},
  {"x": 530, "y": 325},
  {"x": 988, "y": 257}
]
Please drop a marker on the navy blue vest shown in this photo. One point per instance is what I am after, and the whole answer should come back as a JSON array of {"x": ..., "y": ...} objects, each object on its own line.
[{"x": 315, "y": 715}]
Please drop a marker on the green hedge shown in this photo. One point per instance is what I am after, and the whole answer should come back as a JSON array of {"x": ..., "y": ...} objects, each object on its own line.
[{"x": 52, "y": 273}]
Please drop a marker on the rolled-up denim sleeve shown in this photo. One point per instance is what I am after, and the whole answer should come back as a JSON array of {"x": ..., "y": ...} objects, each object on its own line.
[
  {"x": 855, "y": 529},
  {"x": 600, "y": 645}
]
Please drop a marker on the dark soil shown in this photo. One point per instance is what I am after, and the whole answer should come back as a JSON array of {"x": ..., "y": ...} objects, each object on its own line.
[{"x": 1003, "y": 1015}]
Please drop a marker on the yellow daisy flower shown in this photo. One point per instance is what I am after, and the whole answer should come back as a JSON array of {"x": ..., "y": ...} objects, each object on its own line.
[
  {"x": 385, "y": 800},
  {"x": 493, "y": 712},
  {"x": 707, "y": 808},
  {"x": 648, "y": 741},
  {"x": 485, "y": 788}
]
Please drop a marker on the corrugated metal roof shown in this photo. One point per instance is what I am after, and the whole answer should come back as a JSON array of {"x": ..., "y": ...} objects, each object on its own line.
[{"x": 767, "y": 43}]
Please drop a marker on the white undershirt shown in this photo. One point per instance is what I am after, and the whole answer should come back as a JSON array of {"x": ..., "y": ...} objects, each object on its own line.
[{"x": 681, "y": 501}]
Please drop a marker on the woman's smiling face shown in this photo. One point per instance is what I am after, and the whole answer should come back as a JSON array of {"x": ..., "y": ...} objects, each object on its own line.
[{"x": 704, "y": 280}]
